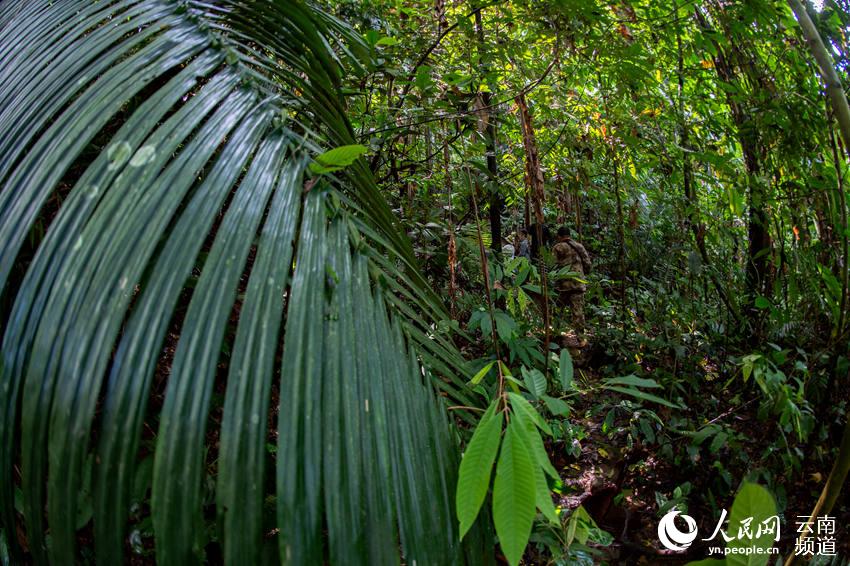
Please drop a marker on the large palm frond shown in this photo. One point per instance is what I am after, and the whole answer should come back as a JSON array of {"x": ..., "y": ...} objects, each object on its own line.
[{"x": 153, "y": 180}]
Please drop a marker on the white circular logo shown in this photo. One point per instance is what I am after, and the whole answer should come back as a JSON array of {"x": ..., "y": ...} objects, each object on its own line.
[{"x": 671, "y": 537}]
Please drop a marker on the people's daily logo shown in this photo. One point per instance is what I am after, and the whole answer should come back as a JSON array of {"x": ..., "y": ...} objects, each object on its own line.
[
  {"x": 670, "y": 535},
  {"x": 749, "y": 535}
]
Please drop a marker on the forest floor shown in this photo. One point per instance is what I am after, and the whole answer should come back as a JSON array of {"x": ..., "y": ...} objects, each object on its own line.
[{"x": 619, "y": 482}]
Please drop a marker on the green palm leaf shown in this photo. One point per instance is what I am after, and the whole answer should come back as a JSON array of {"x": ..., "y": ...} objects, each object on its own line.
[{"x": 175, "y": 138}]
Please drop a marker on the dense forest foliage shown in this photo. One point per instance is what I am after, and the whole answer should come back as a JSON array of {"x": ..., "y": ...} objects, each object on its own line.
[{"x": 424, "y": 282}]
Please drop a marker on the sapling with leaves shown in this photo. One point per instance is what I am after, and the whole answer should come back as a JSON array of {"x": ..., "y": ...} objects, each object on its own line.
[{"x": 509, "y": 435}]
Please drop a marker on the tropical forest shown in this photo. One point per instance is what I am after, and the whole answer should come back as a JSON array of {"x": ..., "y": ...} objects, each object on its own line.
[{"x": 425, "y": 282}]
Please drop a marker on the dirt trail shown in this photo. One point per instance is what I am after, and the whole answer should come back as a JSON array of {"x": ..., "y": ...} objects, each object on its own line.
[{"x": 615, "y": 484}]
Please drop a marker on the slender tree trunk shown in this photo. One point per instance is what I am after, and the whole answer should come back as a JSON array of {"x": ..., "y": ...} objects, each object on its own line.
[
  {"x": 585, "y": 182},
  {"x": 758, "y": 277},
  {"x": 621, "y": 230},
  {"x": 534, "y": 177},
  {"x": 834, "y": 90},
  {"x": 429, "y": 152},
  {"x": 533, "y": 171},
  {"x": 845, "y": 248},
  {"x": 693, "y": 218},
  {"x": 562, "y": 189},
  {"x": 621, "y": 235},
  {"x": 526, "y": 214},
  {"x": 450, "y": 221},
  {"x": 496, "y": 201}
]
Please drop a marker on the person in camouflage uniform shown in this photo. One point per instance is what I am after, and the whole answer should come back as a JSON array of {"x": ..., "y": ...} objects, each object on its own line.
[{"x": 571, "y": 255}]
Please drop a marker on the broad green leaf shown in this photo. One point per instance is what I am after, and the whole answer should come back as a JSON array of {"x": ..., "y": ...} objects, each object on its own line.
[
  {"x": 299, "y": 440},
  {"x": 514, "y": 383},
  {"x": 505, "y": 326},
  {"x": 718, "y": 442},
  {"x": 476, "y": 379},
  {"x": 833, "y": 287},
  {"x": 514, "y": 495},
  {"x": 565, "y": 370},
  {"x": 579, "y": 525},
  {"x": 747, "y": 370},
  {"x": 646, "y": 429},
  {"x": 337, "y": 158},
  {"x": 633, "y": 380},
  {"x": 534, "y": 441},
  {"x": 49, "y": 428},
  {"x": 754, "y": 503},
  {"x": 572, "y": 528},
  {"x": 475, "y": 467},
  {"x": 543, "y": 497},
  {"x": 534, "y": 381},
  {"x": 372, "y": 37},
  {"x": 531, "y": 438},
  {"x": 135, "y": 358},
  {"x": 557, "y": 407},
  {"x": 703, "y": 433},
  {"x": 637, "y": 393},
  {"x": 520, "y": 404}
]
